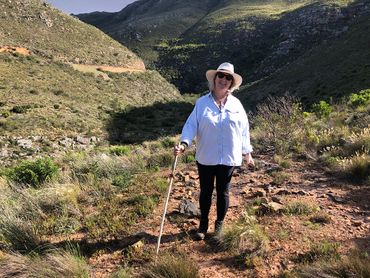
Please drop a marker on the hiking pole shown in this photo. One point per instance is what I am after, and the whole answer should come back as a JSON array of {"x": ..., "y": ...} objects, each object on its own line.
[{"x": 166, "y": 203}]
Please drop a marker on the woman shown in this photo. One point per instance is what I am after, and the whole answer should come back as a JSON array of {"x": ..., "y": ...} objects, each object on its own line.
[{"x": 220, "y": 125}]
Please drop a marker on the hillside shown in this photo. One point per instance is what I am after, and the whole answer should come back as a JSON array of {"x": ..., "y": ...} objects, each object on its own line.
[
  {"x": 54, "y": 35},
  {"x": 60, "y": 77},
  {"x": 261, "y": 38},
  {"x": 87, "y": 136},
  {"x": 331, "y": 70},
  {"x": 143, "y": 23}
]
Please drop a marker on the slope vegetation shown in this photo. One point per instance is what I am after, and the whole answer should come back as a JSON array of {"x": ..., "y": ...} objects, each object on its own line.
[
  {"x": 57, "y": 76},
  {"x": 333, "y": 69},
  {"x": 143, "y": 23},
  {"x": 263, "y": 39}
]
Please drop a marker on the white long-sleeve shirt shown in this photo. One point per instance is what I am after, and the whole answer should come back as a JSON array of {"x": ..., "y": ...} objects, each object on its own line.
[{"x": 222, "y": 135}]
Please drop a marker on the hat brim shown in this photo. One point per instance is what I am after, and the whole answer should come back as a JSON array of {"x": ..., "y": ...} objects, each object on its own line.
[{"x": 210, "y": 75}]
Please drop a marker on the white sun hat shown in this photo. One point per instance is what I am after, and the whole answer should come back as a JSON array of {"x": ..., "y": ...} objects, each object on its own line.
[{"x": 227, "y": 68}]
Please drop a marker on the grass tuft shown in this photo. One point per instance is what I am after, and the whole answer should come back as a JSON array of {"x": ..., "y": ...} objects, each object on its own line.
[
  {"x": 54, "y": 264},
  {"x": 171, "y": 266},
  {"x": 245, "y": 239}
]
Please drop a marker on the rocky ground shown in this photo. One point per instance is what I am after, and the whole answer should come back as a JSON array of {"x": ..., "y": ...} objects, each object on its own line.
[{"x": 346, "y": 206}]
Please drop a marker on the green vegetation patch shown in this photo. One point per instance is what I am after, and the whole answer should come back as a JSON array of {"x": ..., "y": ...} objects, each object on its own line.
[{"x": 33, "y": 173}]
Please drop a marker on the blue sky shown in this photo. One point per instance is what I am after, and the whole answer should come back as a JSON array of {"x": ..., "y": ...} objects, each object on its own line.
[{"x": 86, "y": 6}]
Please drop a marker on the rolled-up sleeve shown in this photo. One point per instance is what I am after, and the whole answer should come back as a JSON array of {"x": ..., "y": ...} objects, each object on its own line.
[{"x": 190, "y": 128}]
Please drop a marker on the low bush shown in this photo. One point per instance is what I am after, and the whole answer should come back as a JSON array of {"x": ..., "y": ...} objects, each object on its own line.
[
  {"x": 356, "y": 168},
  {"x": 21, "y": 109},
  {"x": 361, "y": 98},
  {"x": 322, "y": 109},
  {"x": 245, "y": 239},
  {"x": 324, "y": 250},
  {"x": 59, "y": 206},
  {"x": 299, "y": 208},
  {"x": 168, "y": 143},
  {"x": 5, "y": 114},
  {"x": 34, "y": 173},
  {"x": 92, "y": 169},
  {"x": 123, "y": 180},
  {"x": 321, "y": 218},
  {"x": 279, "y": 123},
  {"x": 119, "y": 150},
  {"x": 160, "y": 160},
  {"x": 142, "y": 205}
]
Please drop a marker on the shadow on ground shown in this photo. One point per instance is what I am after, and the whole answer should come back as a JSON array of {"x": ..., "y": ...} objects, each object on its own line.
[
  {"x": 139, "y": 124},
  {"x": 88, "y": 248}
]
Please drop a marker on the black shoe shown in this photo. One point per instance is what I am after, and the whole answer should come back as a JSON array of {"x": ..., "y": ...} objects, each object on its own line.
[{"x": 200, "y": 235}]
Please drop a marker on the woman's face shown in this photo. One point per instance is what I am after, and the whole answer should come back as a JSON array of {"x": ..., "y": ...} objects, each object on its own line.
[{"x": 223, "y": 82}]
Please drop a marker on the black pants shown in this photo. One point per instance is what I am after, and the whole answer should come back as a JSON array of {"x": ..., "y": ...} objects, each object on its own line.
[{"x": 207, "y": 176}]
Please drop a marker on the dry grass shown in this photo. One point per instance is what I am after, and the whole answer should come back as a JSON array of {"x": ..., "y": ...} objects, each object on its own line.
[
  {"x": 54, "y": 264},
  {"x": 171, "y": 266}
]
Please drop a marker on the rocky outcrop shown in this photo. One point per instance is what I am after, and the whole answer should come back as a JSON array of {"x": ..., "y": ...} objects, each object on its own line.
[{"x": 13, "y": 148}]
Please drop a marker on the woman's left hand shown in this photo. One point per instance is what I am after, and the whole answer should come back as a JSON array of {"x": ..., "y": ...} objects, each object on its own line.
[{"x": 249, "y": 159}]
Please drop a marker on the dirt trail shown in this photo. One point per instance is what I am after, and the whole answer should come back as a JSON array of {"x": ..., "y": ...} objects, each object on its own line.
[
  {"x": 289, "y": 236},
  {"x": 98, "y": 69},
  {"x": 15, "y": 49}
]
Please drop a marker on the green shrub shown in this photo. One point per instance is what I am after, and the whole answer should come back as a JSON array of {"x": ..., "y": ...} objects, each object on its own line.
[
  {"x": 362, "y": 98},
  {"x": 322, "y": 109},
  {"x": 321, "y": 218},
  {"x": 168, "y": 143},
  {"x": 188, "y": 158},
  {"x": 59, "y": 208},
  {"x": 245, "y": 239},
  {"x": 160, "y": 160},
  {"x": 299, "y": 208},
  {"x": 60, "y": 93},
  {"x": 21, "y": 109},
  {"x": 34, "y": 173},
  {"x": 5, "y": 114},
  {"x": 161, "y": 185},
  {"x": 97, "y": 168},
  {"x": 283, "y": 162},
  {"x": 123, "y": 180},
  {"x": 119, "y": 150},
  {"x": 142, "y": 205},
  {"x": 279, "y": 177},
  {"x": 324, "y": 250}
]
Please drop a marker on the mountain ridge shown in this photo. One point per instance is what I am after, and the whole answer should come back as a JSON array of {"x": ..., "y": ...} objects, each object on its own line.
[{"x": 259, "y": 37}]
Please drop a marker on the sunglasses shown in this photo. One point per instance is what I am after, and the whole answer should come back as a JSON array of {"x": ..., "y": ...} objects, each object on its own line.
[{"x": 222, "y": 75}]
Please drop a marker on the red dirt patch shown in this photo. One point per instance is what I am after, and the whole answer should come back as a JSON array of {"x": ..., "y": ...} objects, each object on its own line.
[{"x": 15, "y": 49}]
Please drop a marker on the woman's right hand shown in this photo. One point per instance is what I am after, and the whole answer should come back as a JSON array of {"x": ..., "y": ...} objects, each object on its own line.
[{"x": 178, "y": 149}]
